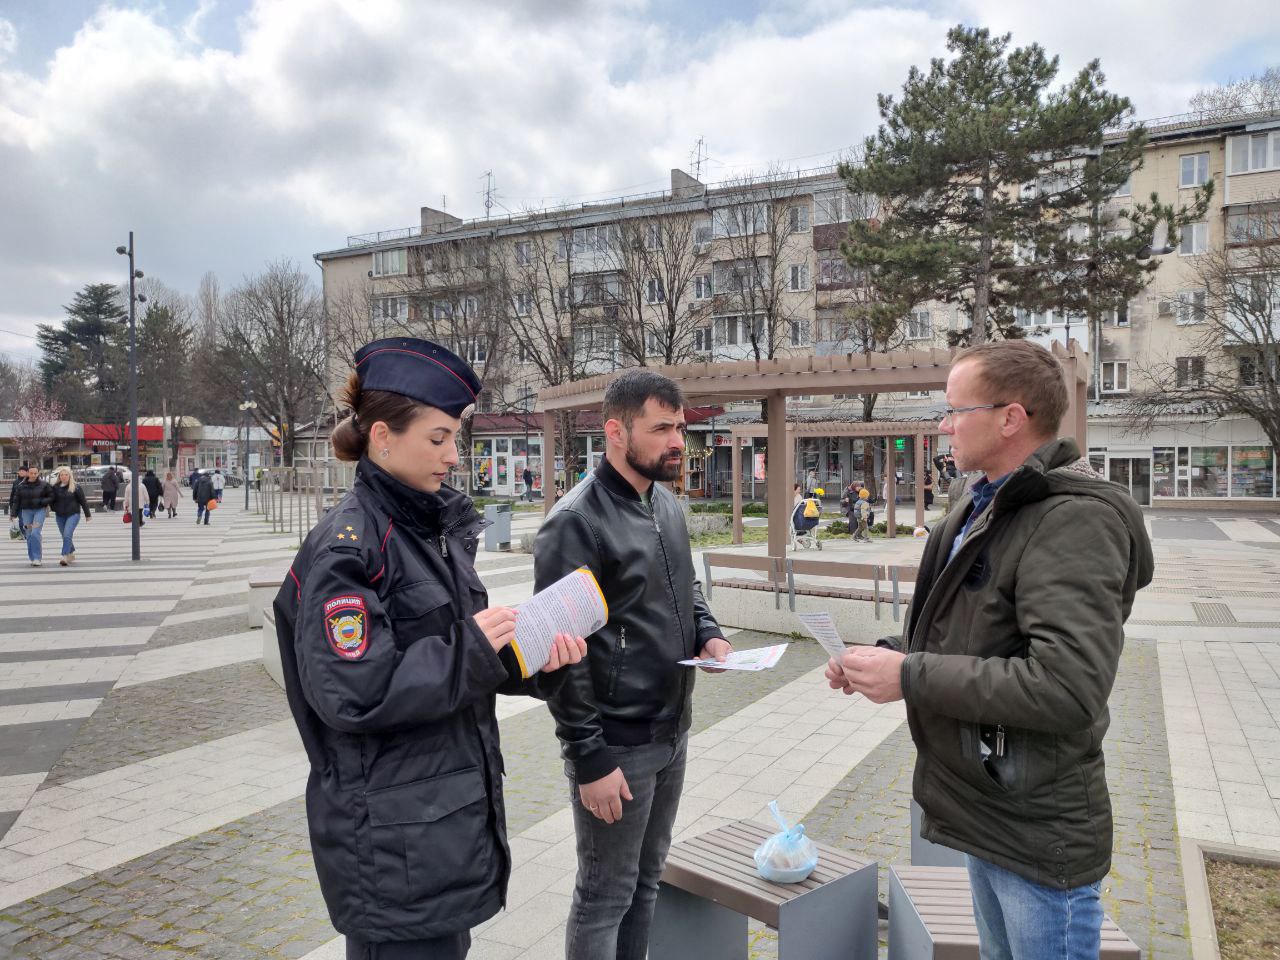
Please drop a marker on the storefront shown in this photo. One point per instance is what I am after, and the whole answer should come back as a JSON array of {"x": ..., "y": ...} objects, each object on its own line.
[{"x": 1187, "y": 459}]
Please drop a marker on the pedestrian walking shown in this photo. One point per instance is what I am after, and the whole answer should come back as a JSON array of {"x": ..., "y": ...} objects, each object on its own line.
[
  {"x": 194, "y": 478},
  {"x": 110, "y": 488},
  {"x": 19, "y": 478},
  {"x": 202, "y": 491},
  {"x": 1009, "y": 654},
  {"x": 219, "y": 481},
  {"x": 151, "y": 483},
  {"x": 623, "y": 716},
  {"x": 928, "y": 489},
  {"x": 171, "y": 494},
  {"x": 392, "y": 660},
  {"x": 527, "y": 477},
  {"x": 68, "y": 504},
  {"x": 30, "y": 504}
]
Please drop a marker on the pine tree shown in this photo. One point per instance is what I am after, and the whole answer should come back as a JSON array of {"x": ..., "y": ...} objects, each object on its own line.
[
  {"x": 80, "y": 361},
  {"x": 996, "y": 193}
]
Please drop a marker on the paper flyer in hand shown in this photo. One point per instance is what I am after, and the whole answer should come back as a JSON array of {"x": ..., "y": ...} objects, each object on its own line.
[
  {"x": 574, "y": 605},
  {"x": 822, "y": 628},
  {"x": 760, "y": 658}
]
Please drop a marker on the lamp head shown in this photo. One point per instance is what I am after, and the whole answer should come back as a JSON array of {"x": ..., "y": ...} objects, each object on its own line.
[
  {"x": 122, "y": 251},
  {"x": 138, "y": 274},
  {"x": 142, "y": 298}
]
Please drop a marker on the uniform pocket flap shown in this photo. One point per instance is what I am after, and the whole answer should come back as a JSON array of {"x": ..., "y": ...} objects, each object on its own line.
[
  {"x": 425, "y": 801},
  {"x": 417, "y": 599}
]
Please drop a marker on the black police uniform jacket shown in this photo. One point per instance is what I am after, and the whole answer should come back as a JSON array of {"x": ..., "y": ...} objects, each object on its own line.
[{"x": 392, "y": 686}]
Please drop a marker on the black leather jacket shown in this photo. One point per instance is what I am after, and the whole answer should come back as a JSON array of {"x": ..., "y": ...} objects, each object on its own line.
[
  {"x": 392, "y": 684},
  {"x": 630, "y": 688},
  {"x": 31, "y": 495}
]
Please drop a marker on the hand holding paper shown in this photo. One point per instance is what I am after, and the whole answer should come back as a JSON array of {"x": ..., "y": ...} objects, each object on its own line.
[{"x": 574, "y": 605}]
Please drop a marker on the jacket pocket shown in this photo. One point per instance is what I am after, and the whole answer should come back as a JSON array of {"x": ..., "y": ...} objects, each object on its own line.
[
  {"x": 430, "y": 835},
  {"x": 615, "y": 665},
  {"x": 1001, "y": 771},
  {"x": 421, "y": 609}
]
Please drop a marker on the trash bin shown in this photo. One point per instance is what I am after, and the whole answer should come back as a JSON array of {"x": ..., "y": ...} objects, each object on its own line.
[{"x": 497, "y": 535}]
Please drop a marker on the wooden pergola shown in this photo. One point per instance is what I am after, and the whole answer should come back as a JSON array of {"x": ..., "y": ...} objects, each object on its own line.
[
  {"x": 917, "y": 430},
  {"x": 775, "y": 380}
]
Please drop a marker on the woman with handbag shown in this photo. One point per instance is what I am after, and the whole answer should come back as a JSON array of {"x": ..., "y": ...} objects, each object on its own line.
[
  {"x": 68, "y": 503},
  {"x": 30, "y": 504}
]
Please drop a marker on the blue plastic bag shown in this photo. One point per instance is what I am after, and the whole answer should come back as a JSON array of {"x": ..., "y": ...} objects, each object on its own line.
[{"x": 786, "y": 857}]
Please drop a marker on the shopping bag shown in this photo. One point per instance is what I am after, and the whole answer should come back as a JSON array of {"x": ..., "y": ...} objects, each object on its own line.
[
  {"x": 15, "y": 530},
  {"x": 211, "y": 505},
  {"x": 788, "y": 856},
  {"x": 126, "y": 517}
]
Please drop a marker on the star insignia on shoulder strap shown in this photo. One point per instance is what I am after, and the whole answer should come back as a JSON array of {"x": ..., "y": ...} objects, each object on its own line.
[
  {"x": 342, "y": 536},
  {"x": 353, "y": 536},
  {"x": 349, "y": 529}
]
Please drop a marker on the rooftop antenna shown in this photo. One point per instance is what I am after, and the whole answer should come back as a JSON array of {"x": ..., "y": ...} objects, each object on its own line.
[
  {"x": 699, "y": 155},
  {"x": 444, "y": 202},
  {"x": 488, "y": 193}
]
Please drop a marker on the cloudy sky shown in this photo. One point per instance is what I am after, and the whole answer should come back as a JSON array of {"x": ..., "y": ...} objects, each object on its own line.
[{"x": 228, "y": 133}]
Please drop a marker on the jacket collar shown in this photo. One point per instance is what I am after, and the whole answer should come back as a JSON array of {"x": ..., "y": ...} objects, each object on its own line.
[
  {"x": 429, "y": 512},
  {"x": 1029, "y": 483},
  {"x": 615, "y": 482}
]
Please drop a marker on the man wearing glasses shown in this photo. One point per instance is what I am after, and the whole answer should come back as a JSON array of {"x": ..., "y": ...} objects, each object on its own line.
[{"x": 1011, "y": 649}]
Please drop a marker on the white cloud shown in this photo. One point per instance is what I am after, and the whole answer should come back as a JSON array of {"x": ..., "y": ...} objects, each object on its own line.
[{"x": 344, "y": 116}]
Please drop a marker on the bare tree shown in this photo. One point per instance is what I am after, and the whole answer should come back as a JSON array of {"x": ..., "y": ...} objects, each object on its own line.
[
  {"x": 754, "y": 284},
  {"x": 35, "y": 425},
  {"x": 1231, "y": 361},
  {"x": 1253, "y": 94},
  {"x": 272, "y": 329},
  {"x": 659, "y": 265}
]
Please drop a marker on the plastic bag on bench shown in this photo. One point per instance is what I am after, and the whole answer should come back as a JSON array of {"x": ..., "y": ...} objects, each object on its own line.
[{"x": 788, "y": 856}]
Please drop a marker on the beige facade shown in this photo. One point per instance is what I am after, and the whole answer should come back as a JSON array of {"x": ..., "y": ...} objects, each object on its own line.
[{"x": 752, "y": 269}]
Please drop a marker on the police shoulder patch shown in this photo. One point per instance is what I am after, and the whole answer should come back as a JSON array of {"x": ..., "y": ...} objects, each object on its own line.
[{"x": 345, "y": 624}]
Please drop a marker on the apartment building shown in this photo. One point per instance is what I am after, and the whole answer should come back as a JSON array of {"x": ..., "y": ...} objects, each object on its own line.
[{"x": 753, "y": 268}]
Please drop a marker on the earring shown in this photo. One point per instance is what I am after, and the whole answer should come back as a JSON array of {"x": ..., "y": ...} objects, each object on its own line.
[{"x": 385, "y": 452}]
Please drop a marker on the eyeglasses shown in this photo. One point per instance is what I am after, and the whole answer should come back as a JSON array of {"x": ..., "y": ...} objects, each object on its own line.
[{"x": 949, "y": 413}]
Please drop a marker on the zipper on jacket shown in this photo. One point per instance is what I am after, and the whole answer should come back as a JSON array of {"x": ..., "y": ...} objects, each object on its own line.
[
  {"x": 444, "y": 547},
  {"x": 999, "y": 741},
  {"x": 617, "y": 659}
]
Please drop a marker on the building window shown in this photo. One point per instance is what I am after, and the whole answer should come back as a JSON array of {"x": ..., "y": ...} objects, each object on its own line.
[
  {"x": 1257, "y": 151},
  {"x": 1248, "y": 366},
  {"x": 1190, "y": 307},
  {"x": 524, "y": 354},
  {"x": 833, "y": 269},
  {"x": 702, "y": 340},
  {"x": 1190, "y": 372},
  {"x": 390, "y": 308},
  {"x": 524, "y": 253},
  {"x": 799, "y": 333},
  {"x": 524, "y": 304},
  {"x": 742, "y": 219},
  {"x": 472, "y": 349},
  {"x": 702, "y": 233},
  {"x": 1208, "y": 469},
  {"x": 834, "y": 206},
  {"x": 441, "y": 310},
  {"x": 653, "y": 343},
  {"x": 653, "y": 236},
  {"x": 919, "y": 325},
  {"x": 470, "y": 307},
  {"x": 655, "y": 292},
  {"x": 389, "y": 263},
  {"x": 799, "y": 277},
  {"x": 562, "y": 298},
  {"x": 1250, "y": 224},
  {"x": 1252, "y": 471},
  {"x": 1125, "y": 189},
  {"x": 702, "y": 287},
  {"x": 798, "y": 218},
  {"x": 1195, "y": 239},
  {"x": 1194, "y": 169},
  {"x": 1115, "y": 376}
]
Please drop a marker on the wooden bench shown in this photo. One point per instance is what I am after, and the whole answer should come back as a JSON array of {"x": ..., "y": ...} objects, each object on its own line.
[
  {"x": 893, "y": 576},
  {"x": 931, "y": 918},
  {"x": 737, "y": 561},
  {"x": 710, "y": 887}
]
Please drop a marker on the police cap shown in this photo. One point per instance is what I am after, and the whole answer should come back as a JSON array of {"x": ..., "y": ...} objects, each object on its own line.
[{"x": 420, "y": 370}]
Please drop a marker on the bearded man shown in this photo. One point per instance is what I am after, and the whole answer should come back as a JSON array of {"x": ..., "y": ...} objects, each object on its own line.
[{"x": 623, "y": 714}]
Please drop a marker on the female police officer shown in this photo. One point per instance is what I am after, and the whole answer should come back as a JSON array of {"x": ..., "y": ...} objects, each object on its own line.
[{"x": 391, "y": 660}]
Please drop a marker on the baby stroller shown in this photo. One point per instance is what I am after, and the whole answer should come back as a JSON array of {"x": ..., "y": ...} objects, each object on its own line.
[{"x": 804, "y": 530}]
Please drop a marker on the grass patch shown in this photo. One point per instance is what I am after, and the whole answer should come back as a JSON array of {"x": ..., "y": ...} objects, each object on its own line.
[{"x": 1246, "y": 909}]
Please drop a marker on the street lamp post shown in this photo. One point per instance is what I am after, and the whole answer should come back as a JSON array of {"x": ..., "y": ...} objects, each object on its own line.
[
  {"x": 248, "y": 405},
  {"x": 134, "y": 299}
]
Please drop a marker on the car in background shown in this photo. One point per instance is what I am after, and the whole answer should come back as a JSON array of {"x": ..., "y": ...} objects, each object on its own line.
[
  {"x": 231, "y": 479},
  {"x": 98, "y": 471}
]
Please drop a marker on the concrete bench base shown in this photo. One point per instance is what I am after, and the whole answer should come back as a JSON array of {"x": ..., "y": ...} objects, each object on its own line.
[
  {"x": 264, "y": 583},
  {"x": 754, "y": 609},
  {"x": 271, "y": 647}
]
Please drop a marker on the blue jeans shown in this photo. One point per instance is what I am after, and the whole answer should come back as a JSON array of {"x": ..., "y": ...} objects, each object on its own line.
[
  {"x": 620, "y": 864},
  {"x": 32, "y": 522},
  {"x": 202, "y": 511},
  {"x": 1022, "y": 920},
  {"x": 67, "y": 527}
]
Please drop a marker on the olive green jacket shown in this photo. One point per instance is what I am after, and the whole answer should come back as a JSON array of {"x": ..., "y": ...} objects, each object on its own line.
[{"x": 1015, "y": 644}]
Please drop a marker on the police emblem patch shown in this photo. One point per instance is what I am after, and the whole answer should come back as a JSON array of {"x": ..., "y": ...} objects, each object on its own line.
[{"x": 345, "y": 619}]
